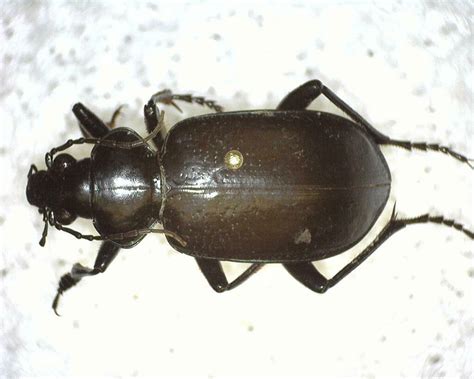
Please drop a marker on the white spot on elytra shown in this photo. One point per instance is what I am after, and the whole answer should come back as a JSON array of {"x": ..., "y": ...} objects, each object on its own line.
[{"x": 303, "y": 237}]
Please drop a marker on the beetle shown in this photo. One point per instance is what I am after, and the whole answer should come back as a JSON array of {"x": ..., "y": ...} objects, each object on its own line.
[{"x": 288, "y": 186}]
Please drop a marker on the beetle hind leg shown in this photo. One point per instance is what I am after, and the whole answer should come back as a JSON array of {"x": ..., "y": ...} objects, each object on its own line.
[
  {"x": 310, "y": 277},
  {"x": 107, "y": 252},
  {"x": 212, "y": 270},
  {"x": 301, "y": 97}
]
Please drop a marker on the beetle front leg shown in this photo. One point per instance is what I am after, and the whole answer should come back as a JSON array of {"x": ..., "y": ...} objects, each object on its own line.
[
  {"x": 107, "y": 252},
  {"x": 212, "y": 270}
]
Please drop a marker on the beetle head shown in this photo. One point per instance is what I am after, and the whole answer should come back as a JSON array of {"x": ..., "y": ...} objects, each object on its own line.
[
  {"x": 41, "y": 187},
  {"x": 44, "y": 190}
]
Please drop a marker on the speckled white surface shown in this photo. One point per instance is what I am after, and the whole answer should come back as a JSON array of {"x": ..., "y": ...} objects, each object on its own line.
[{"x": 405, "y": 65}]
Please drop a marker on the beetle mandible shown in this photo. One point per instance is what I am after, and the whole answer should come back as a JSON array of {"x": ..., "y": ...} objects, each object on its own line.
[{"x": 288, "y": 186}]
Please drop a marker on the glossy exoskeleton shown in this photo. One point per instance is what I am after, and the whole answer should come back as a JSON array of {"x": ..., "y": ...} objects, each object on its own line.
[{"x": 287, "y": 186}]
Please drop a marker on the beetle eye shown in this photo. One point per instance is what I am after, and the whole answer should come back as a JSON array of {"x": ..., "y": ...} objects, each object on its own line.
[
  {"x": 62, "y": 161},
  {"x": 64, "y": 217}
]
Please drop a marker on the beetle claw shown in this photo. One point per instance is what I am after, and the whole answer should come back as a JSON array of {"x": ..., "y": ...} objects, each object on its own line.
[
  {"x": 55, "y": 304},
  {"x": 115, "y": 115},
  {"x": 394, "y": 212},
  {"x": 176, "y": 106}
]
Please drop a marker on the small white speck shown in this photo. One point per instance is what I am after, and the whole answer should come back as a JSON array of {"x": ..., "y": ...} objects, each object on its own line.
[{"x": 303, "y": 237}]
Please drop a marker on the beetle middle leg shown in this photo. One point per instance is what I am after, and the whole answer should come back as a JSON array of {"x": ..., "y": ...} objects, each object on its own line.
[
  {"x": 107, "y": 253},
  {"x": 310, "y": 277},
  {"x": 151, "y": 121},
  {"x": 212, "y": 270},
  {"x": 90, "y": 124}
]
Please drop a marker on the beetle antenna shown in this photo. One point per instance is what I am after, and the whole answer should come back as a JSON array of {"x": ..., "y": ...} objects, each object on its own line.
[
  {"x": 33, "y": 170},
  {"x": 155, "y": 131},
  {"x": 114, "y": 237},
  {"x": 108, "y": 143},
  {"x": 46, "y": 216},
  {"x": 423, "y": 146}
]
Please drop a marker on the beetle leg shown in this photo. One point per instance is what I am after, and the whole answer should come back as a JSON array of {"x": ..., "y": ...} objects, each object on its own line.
[
  {"x": 167, "y": 97},
  {"x": 115, "y": 115},
  {"x": 90, "y": 124},
  {"x": 310, "y": 277},
  {"x": 151, "y": 122},
  {"x": 107, "y": 252},
  {"x": 301, "y": 97},
  {"x": 212, "y": 270}
]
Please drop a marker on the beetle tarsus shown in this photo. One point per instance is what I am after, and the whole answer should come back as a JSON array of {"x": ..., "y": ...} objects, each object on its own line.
[
  {"x": 107, "y": 253},
  {"x": 423, "y": 146},
  {"x": 440, "y": 220},
  {"x": 66, "y": 282}
]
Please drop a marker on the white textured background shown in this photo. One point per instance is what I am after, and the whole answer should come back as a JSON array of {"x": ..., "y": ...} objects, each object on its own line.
[{"x": 405, "y": 65}]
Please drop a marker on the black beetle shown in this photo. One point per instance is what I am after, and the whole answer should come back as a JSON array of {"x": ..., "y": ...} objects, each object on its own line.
[{"x": 287, "y": 186}]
